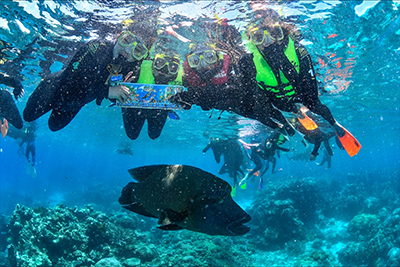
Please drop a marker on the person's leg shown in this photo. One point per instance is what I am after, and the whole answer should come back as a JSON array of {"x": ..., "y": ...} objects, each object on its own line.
[
  {"x": 224, "y": 169},
  {"x": 61, "y": 116},
  {"x": 273, "y": 160},
  {"x": 156, "y": 120},
  {"x": 328, "y": 147},
  {"x": 9, "y": 110},
  {"x": 133, "y": 121},
  {"x": 41, "y": 100},
  {"x": 329, "y": 160}
]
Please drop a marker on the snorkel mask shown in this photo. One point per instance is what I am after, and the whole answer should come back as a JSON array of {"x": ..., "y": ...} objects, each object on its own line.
[
  {"x": 130, "y": 46},
  {"x": 266, "y": 35},
  {"x": 201, "y": 59},
  {"x": 166, "y": 64}
]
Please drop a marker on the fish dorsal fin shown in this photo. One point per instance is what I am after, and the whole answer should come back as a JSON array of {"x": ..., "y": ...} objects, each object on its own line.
[{"x": 140, "y": 174}]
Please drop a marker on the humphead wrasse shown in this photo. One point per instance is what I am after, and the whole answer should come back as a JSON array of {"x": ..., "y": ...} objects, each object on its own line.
[{"x": 184, "y": 197}]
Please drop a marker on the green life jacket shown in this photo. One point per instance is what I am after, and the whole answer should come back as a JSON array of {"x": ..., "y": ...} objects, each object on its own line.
[
  {"x": 265, "y": 76},
  {"x": 146, "y": 74}
]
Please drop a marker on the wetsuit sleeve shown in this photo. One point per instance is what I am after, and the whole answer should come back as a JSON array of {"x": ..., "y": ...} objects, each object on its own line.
[
  {"x": 309, "y": 86},
  {"x": 12, "y": 82}
]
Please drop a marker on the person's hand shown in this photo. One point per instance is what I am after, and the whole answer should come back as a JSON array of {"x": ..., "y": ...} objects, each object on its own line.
[
  {"x": 119, "y": 92},
  {"x": 18, "y": 88},
  {"x": 180, "y": 99}
]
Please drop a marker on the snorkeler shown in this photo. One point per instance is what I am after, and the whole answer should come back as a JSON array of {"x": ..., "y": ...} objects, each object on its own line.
[
  {"x": 90, "y": 75},
  {"x": 233, "y": 156},
  {"x": 214, "y": 81},
  {"x": 261, "y": 153},
  {"x": 27, "y": 147},
  {"x": 315, "y": 137},
  {"x": 8, "y": 110},
  {"x": 283, "y": 71},
  {"x": 165, "y": 68}
]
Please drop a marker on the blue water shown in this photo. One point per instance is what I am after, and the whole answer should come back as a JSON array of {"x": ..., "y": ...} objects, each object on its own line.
[{"x": 78, "y": 165}]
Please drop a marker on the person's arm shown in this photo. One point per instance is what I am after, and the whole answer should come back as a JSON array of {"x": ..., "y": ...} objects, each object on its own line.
[
  {"x": 309, "y": 86},
  {"x": 12, "y": 82}
]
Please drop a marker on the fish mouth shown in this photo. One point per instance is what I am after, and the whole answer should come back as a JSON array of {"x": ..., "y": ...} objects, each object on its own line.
[{"x": 237, "y": 227}]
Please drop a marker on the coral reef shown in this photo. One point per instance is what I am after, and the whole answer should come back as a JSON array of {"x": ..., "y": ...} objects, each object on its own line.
[
  {"x": 303, "y": 222},
  {"x": 280, "y": 212},
  {"x": 62, "y": 236}
]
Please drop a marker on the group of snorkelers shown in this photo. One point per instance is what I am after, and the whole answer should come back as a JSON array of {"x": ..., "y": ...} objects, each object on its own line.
[
  {"x": 273, "y": 75},
  {"x": 263, "y": 152}
]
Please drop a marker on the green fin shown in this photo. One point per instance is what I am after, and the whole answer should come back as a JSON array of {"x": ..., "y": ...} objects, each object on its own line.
[
  {"x": 243, "y": 186},
  {"x": 233, "y": 192}
]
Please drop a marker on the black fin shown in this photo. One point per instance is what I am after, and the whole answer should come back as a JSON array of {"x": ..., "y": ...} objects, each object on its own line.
[
  {"x": 128, "y": 201},
  {"x": 170, "y": 227},
  {"x": 140, "y": 174}
]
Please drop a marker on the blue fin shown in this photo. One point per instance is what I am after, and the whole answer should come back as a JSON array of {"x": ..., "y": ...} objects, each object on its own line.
[{"x": 173, "y": 115}]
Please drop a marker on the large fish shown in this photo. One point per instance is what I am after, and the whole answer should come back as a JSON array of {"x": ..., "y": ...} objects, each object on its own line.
[{"x": 184, "y": 197}]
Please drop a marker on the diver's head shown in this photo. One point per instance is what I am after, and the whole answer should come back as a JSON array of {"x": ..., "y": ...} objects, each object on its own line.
[
  {"x": 267, "y": 28},
  {"x": 264, "y": 36},
  {"x": 205, "y": 60},
  {"x": 130, "y": 47},
  {"x": 166, "y": 66},
  {"x": 268, "y": 144}
]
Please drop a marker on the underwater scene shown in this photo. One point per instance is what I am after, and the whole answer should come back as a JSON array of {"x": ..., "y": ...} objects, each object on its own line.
[{"x": 199, "y": 133}]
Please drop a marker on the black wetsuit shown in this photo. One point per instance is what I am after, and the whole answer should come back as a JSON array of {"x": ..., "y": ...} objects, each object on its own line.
[
  {"x": 82, "y": 81},
  {"x": 326, "y": 158},
  {"x": 233, "y": 156},
  {"x": 304, "y": 82},
  {"x": 315, "y": 137},
  {"x": 8, "y": 109},
  {"x": 257, "y": 156},
  {"x": 233, "y": 95},
  {"x": 134, "y": 118},
  {"x": 27, "y": 135}
]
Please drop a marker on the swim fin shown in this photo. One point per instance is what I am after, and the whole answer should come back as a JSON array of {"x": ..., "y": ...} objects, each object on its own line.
[
  {"x": 173, "y": 115},
  {"x": 233, "y": 192},
  {"x": 349, "y": 142},
  {"x": 308, "y": 123},
  {"x": 4, "y": 128},
  {"x": 243, "y": 186}
]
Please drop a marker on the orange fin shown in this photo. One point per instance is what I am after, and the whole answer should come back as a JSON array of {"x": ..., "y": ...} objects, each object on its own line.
[
  {"x": 257, "y": 173},
  {"x": 350, "y": 143},
  {"x": 4, "y": 128},
  {"x": 308, "y": 123}
]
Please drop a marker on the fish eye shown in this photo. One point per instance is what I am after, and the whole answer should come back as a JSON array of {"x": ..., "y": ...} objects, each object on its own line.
[{"x": 220, "y": 200}]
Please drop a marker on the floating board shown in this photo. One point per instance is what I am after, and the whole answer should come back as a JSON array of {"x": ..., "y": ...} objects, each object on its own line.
[{"x": 151, "y": 96}]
